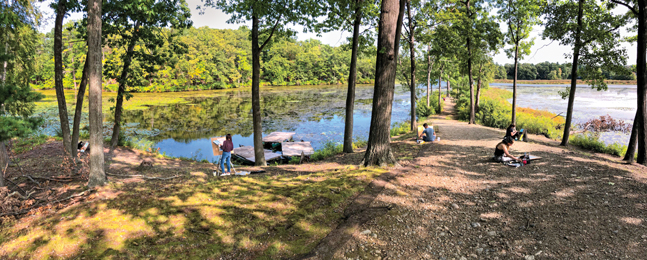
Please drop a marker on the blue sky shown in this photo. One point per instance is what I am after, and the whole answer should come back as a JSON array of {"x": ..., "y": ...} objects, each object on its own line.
[{"x": 543, "y": 50}]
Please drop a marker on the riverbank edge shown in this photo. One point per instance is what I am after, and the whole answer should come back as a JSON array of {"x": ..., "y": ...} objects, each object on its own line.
[
  {"x": 584, "y": 141},
  {"x": 564, "y": 82}
]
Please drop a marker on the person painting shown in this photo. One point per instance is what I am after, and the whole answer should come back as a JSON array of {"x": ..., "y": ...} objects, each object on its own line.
[
  {"x": 502, "y": 150},
  {"x": 227, "y": 146},
  {"x": 427, "y": 134}
]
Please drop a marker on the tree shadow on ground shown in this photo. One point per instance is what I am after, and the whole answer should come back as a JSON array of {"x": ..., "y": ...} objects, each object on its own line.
[{"x": 567, "y": 205}]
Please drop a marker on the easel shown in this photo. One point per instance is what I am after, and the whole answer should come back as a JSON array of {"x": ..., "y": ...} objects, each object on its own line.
[{"x": 218, "y": 152}]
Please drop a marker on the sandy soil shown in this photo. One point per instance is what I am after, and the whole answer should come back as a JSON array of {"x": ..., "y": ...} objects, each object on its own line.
[{"x": 452, "y": 202}]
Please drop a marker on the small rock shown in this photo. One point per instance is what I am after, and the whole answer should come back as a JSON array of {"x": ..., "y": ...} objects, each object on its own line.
[
  {"x": 442, "y": 234},
  {"x": 491, "y": 233},
  {"x": 366, "y": 232},
  {"x": 463, "y": 258},
  {"x": 475, "y": 224},
  {"x": 455, "y": 206},
  {"x": 529, "y": 257},
  {"x": 421, "y": 200},
  {"x": 479, "y": 250}
]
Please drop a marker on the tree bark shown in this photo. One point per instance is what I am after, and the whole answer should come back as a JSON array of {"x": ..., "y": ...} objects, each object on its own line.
[
  {"x": 631, "y": 147},
  {"x": 259, "y": 153},
  {"x": 469, "y": 69},
  {"x": 576, "y": 55},
  {"x": 58, "y": 75},
  {"x": 73, "y": 66},
  {"x": 352, "y": 78},
  {"x": 412, "y": 52},
  {"x": 429, "y": 74},
  {"x": 378, "y": 151},
  {"x": 478, "y": 88},
  {"x": 642, "y": 85},
  {"x": 440, "y": 80},
  {"x": 122, "y": 88},
  {"x": 514, "y": 84},
  {"x": 78, "y": 112},
  {"x": 4, "y": 162},
  {"x": 97, "y": 173}
]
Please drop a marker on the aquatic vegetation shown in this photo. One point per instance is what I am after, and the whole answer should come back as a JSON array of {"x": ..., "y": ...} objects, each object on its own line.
[
  {"x": 494, "y": 111},
  {"x": 606, "y": 123},
  {"x": 593, "y": 142}
]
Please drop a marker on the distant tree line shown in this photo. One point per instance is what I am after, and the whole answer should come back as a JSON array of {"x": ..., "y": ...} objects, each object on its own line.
[
  {"x": 205, "y": 58},
  {"x": 551, "y": 71}
]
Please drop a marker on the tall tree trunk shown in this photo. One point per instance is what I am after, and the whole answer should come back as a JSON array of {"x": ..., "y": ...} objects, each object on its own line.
[
  {"x": 429, "y": 74},
  {"x": 412, "y": 51},
  {"x": 352, "y": 78},
  {"x": 440, "y": 80},
  {"x": 378, "y": 151},
  {"x": 576, "y": 55},
  {"x": 73, "y": 66},
  {"x": 97, "y": 173},
  {"x": 4, "y": 162},
  {"x": 469, "y": 71},
  {"x": 58, "y": 75},
  {"x": 631, "y": 147},
  {"x": 78, "y": 112},
  {"x": 122, "y": 88},
  {"x": 514, "y": 83},
  {"x": 478, "y": 88},
  {"x": 642, "y": 85},
  {"x": 259, "y": 153}
]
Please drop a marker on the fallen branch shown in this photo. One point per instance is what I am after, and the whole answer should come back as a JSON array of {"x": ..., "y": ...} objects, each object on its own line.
[
  {"x": 143, "y": 177},
  {"x": 28, "y": 177},
  {"x": 17, "y": 213},
  {"x": 20, "y": 195}
]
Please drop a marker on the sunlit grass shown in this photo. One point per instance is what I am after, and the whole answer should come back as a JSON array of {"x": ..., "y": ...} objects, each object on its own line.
[{"x": 264, "y": 216}]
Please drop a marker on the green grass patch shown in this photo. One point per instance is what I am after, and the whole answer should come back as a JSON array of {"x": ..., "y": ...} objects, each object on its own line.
[
  {"x": 255, "y": 217},
  {"x": 22, "y": 145},
  {"x": 330, "y": 149},
  {"x": 592, "y": 142}
]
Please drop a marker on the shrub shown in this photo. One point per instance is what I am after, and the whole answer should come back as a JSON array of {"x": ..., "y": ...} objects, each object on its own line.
[
  {"x": 592, "y": 142},
  {"x": 400, "y": 128}
]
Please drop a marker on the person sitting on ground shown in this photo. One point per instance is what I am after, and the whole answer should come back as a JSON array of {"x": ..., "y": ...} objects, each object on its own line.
[
  {"x": 511, "y": 131},
  {"x": 427, "y": 134},
  {"x": 227, "y": 146},
  {"x": 501, "y": 150}
]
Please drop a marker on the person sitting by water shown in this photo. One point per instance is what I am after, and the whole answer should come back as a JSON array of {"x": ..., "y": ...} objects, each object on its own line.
[
  {"x": 501, "y": 150},
  {"x": 511, "y": 131},
  {"x": 427, "y": 134},
  {"x": 227, "y": 146}
]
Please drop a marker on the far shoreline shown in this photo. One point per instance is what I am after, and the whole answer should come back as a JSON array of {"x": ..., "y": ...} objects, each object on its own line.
[{"x": 563, "y": 82}]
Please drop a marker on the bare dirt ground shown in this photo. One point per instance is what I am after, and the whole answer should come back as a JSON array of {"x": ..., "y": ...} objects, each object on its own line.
[{"x": 452, "y": 202}]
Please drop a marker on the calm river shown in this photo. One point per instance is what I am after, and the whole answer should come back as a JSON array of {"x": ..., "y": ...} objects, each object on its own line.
[
  {"x": 619, "y": 101},
  {"x": 316, "y": 114}
]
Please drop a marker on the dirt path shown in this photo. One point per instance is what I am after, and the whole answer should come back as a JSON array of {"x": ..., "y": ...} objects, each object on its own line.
[{"x": 451, "y": 202}]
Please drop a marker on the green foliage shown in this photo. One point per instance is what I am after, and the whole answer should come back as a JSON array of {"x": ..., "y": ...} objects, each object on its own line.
[
  {"x": 598, "y": 46},
  {"x": 592, "y": 142},
  {"x": 495, "y": 110},
  {"x": 422, "y": 110},
  {"x": 26, "y": 144},
  {"x": 330, "y": 149},
  {"x": 400, "y": 128},
  {"x": 205, "y": 58},
  {"x": 17, "y": 60}
]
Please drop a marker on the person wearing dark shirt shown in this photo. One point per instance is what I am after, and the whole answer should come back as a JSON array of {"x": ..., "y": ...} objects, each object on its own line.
[
  {"x": 501, "y": 150},
  {"x": 511, "y": 131},
  {"x": 227, "y": 146}
]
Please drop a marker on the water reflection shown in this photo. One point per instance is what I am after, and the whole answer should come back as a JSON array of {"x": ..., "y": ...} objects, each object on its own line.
[{"x": 316, "y": 114}]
